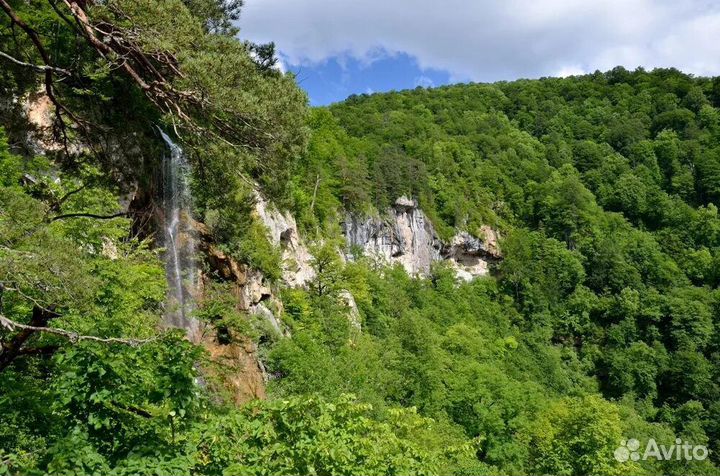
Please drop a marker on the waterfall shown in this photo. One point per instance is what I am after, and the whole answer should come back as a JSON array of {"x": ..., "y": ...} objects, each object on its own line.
[{"x": 180, "y": 246}]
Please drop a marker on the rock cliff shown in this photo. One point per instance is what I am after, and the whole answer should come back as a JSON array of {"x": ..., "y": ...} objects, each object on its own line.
[
  {"x": 283, "y": 232},
  {"x": 471, "y": 256},
  {"x": 406, "y": 236}
]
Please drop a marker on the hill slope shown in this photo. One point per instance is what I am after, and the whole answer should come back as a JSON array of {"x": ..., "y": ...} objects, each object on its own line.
[{"x": 603, "y": 188}]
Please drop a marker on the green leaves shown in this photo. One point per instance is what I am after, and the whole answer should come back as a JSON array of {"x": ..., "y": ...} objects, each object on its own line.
[
  {"x": 80, "y": 407},
  {"x": 107, "y": 385},
  {"x": 601, "y": 185},
  {"x": 317, "y": 437},
  {"x": 578, "y": 436}
]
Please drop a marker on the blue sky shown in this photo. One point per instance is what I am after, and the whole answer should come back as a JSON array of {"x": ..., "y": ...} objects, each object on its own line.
[
  {"x": 343, "y": 47},
  {"x": 338, "y": 77}
]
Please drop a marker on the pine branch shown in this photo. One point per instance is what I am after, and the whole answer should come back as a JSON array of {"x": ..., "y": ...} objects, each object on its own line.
[
  {"x": 32, "y": 34},
  {"x": 48, "y": 72}
]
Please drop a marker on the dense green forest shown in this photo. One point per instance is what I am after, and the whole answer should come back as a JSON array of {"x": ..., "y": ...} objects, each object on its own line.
[{"x": 600, "y": 323}]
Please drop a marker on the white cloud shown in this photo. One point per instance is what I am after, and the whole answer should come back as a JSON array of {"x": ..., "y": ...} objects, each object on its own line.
[
  {"x": 280, "y": 65},
  {"x": 487, "y": 40},
  {"x": 570, "y": 70},
  {"x": 424, "y": 82}
]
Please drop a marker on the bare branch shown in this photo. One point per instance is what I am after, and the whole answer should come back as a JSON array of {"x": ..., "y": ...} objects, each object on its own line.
[
  {"x": 73, "y": 337},
  {"x": 35, "y": 67},
  {"x": 64, "y": 198},
  {"x": 89, "y": 215}
]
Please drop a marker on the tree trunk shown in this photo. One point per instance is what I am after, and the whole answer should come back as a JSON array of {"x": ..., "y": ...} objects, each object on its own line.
[{"x": 12, "y": 349}]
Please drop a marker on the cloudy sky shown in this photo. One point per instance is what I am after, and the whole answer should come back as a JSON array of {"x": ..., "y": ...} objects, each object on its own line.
[{"x": 341, "y": 47}]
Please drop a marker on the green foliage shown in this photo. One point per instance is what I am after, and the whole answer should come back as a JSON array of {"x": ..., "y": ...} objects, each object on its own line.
[
  {"x": 327, "y": 267},
  {"x": 218, "y": 307},
  {"x": 599, "y": 324},
  {"x": 314, "y": 436},
  {"x": 80, "y": 407},
  {"x": 603, "y": 188},
  {"x": 241, "y": 233},
  {"x": 578, "y": 436}
]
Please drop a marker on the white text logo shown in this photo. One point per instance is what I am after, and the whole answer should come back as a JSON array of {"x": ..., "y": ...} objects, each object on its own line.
[{"x": 630, "y": 450}]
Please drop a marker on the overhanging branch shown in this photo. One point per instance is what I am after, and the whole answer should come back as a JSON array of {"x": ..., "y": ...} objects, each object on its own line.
[
  {"x": 73, "y": 337},
  {"x": 35, "y": 67},
  {"x": 48, "y": 73},
  {"x": 89, "y": 215}
]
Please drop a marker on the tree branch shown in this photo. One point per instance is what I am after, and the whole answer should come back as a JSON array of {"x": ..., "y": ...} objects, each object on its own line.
[
  {"x": 10, "y": 350},
  {"x": 118, "y": 46},
  {"x": 73, "y": 337},
  {"x": 132, "y": 409},
  {"x": 58, "y": 203},
  {"x": 48, "y": 73},
  {"x": 32, "y": 34},
  {"x": 39, "y": 351},
  {"x": 90, "y": 215},
  {"x": 35, "y": 67},
  {"x": 102, "y": 48}
]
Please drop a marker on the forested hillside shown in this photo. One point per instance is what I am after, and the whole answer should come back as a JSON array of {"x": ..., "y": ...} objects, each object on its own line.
[
  {"x": 603, "y": 315},
  {"x": 597, "y": 322}
]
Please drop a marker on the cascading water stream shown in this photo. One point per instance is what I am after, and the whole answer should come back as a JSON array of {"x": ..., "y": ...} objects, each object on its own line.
[{"x": 181, "y": 250}]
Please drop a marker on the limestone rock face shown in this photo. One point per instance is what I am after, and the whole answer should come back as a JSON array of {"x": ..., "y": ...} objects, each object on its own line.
[
  {"x": 471, "y": 256},
  {"x": 265, "y": 313},
  {"x": 250, "y": 286},
  {"x": 283, "y": 232},
  {"x": 39, "y": 112},
  {"x": 236, "y": 364},
  {"x": 353, "y": 311},
  {"x": 406, "y": 236}
]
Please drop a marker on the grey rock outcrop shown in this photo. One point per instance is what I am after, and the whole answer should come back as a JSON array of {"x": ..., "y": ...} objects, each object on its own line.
[
  {"x": 471, "y": 256},
  {"x": 283, "y": 232},
  {"x": 406, "y": 236},
  {"x": 262, "y": 311},
  {"x": 353, "y": 312}
]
